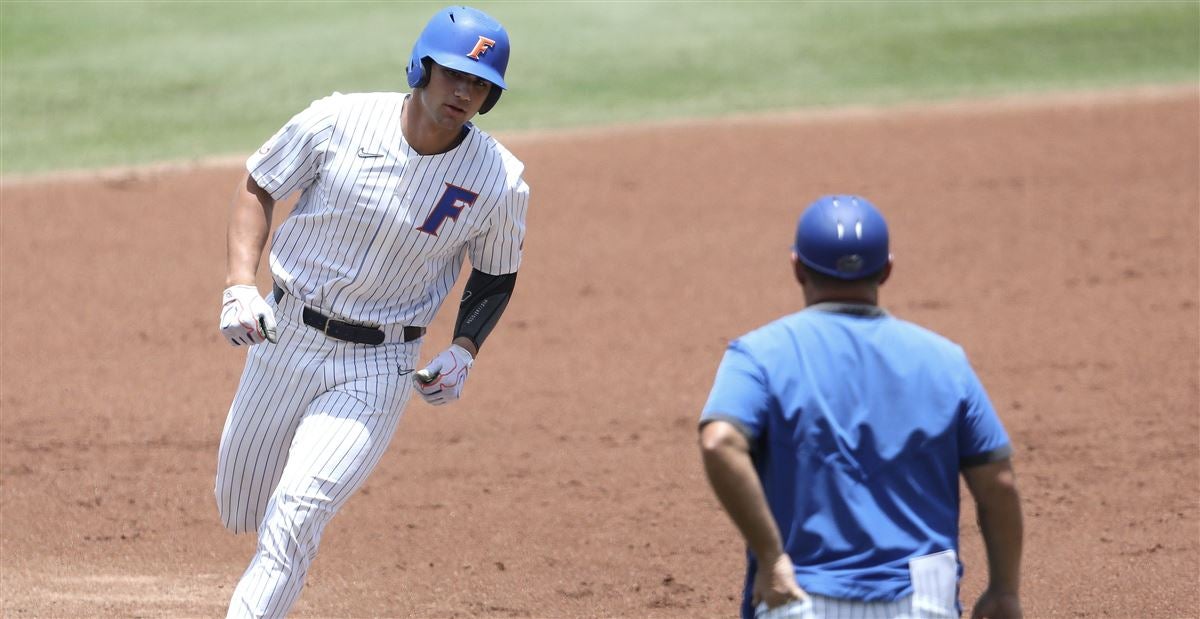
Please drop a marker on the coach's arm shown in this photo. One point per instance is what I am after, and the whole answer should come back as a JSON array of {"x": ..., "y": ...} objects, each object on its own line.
[
  {"x": 998, "y": 507},
  {"x": 731, "y": 473}
]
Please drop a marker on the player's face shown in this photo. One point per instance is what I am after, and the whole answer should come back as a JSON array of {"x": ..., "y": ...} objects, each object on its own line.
[{"x": 453, "y": 97}]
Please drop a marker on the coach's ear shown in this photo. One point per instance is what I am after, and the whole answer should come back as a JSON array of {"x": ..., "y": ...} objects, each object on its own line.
[
  {"x": 798, "y": 270},
  {"x": 887, "y": 271}
]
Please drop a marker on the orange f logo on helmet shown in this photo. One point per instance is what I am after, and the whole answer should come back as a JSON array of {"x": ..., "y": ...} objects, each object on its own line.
[{"x": 481, "y": 47}]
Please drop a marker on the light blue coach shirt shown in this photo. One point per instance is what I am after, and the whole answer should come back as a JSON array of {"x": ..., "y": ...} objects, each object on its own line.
[{"x": 859, "y": 424}]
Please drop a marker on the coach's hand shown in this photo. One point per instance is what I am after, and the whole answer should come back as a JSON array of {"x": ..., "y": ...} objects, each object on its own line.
[
  {"x": 245, "y": 317},
  {"x": 775, "y": 583},
  {"x": 995, "y": 604},
  {"x": 442, "y": 380}
]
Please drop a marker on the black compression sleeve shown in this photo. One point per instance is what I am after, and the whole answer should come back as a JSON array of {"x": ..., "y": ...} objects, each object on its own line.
[{"x": 483, "y": 301}]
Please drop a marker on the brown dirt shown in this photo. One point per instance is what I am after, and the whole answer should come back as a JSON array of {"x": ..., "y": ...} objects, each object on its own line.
[{"x": 1056, "y": 240}]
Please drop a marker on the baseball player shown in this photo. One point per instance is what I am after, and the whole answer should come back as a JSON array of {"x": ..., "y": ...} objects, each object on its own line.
[
  {"x": 396, "y": 190},
  {"x": 834, "y": 438}
]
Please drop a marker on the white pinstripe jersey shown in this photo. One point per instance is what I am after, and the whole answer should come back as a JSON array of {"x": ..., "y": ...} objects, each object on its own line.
[{"x": 380, "y": 232}]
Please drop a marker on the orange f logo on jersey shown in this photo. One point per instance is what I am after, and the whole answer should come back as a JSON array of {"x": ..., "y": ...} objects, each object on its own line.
[{"x": 481, "y": 47}]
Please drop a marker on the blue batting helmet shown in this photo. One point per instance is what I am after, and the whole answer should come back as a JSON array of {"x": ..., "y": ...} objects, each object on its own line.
[
  {"x": 843, "y": 237},
  {"x": 463, "y": 39}
]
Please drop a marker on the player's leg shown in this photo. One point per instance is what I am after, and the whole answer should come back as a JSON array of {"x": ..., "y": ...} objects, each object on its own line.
[
  {"x": 337, "y": 445},
  {"x": 277, "y": 384}
]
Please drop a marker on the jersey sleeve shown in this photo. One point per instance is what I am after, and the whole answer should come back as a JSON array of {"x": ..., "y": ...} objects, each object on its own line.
[
  {"x": 739, "y": 393},
  {"x": 981, "y": 436},
  {"x": 292, "y": 158},
  {"x": 497, "y": 251}
]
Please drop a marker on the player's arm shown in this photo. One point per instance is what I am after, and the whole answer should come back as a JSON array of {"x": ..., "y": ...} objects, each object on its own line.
[
  {"x": 485, "y": 296},
  {"x": 289, "y": 161},
  {"x": 246, "y": 319},
  {"x": 483, "y": 302},
  {"x": 484, "y": 299},
  {"x": 998, "y": 506},
  {"x": 249, "y": 224},
  {"x": 731, "y": 473}
]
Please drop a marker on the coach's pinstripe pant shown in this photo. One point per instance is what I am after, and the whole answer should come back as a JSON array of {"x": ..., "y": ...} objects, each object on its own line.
[
  {"x": 311, "y": 419},
  {"x": 934, "y": 595},
  {"x": 821, "y": 607}
]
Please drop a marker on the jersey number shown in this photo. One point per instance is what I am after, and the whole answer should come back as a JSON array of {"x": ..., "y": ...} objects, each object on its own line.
[{"x": 451, "y": 204}]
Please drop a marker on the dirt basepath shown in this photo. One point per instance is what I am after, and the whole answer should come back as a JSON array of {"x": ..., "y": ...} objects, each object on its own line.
[{"x": 1056, "y": 241}]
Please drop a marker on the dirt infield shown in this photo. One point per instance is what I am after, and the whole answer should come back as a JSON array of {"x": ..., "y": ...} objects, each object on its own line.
[{"x": 1057, "y": 241}]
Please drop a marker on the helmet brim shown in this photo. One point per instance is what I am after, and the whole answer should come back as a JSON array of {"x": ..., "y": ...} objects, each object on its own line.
[{"x": 472, "y": 67}]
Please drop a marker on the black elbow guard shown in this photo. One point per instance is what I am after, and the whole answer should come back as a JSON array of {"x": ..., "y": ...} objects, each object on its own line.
[{"x": 483, "y": 301}]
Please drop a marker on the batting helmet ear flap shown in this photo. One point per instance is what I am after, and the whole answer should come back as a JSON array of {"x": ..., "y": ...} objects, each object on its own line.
[
  {"x": 492, "y": 98},
  {"x": 418, "y": 72}
]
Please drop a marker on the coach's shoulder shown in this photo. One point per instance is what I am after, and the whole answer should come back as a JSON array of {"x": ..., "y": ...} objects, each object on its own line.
[
  {"x": 932, "y": 340},
  {"x": 770, "y": 335}
]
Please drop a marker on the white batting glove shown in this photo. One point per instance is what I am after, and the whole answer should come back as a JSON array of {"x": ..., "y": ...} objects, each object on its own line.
[
  {"x": 245, "y": 317},
  {"x": 442, "y": 380}
]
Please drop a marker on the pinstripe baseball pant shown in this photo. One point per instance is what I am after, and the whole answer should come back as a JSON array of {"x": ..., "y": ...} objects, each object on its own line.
[
  {"x": 821, "y": 607},
  {"x": 934, "y": 596},
  {"x": 311, "y": 418}
]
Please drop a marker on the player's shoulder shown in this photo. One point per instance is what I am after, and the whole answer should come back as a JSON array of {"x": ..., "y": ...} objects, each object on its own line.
[
  {"x": 491, "y": 148},
  {"x": 351, "y": 99},
  {"x": 488, "y": 143},
  {"x": 361, "y": 104}
]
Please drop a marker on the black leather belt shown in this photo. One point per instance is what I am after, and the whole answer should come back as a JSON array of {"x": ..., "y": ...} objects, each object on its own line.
[{"x": 347, "y": 331}]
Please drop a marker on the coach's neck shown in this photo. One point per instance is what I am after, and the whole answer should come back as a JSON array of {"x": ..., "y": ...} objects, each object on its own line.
[{"x": 819, "y": 288}]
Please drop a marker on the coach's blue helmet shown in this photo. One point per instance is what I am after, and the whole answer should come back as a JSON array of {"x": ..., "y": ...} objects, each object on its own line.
[
  {"x": 463, "y": 39},
  {"x": 843, "y": 237}
]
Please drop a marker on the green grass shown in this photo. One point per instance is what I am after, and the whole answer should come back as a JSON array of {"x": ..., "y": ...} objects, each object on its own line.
[{"x": 113, "y": 83}]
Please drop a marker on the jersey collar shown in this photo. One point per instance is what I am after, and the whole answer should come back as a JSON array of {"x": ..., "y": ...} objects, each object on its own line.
[{"x": 865, "y": 310}]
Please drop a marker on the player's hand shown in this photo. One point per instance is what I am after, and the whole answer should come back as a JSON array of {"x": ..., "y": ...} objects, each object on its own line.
[
  {"x": 775, "y": 584},
  {"x": 997, "y": 605},
  {"x": 442, "y": 380},
  {"x": 245, "y": 317}
]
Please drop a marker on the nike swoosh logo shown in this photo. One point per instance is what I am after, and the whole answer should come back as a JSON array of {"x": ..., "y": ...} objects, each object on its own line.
[
  {"x": 404, "y": 371},
  {"x": 365, "y": 155}
]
